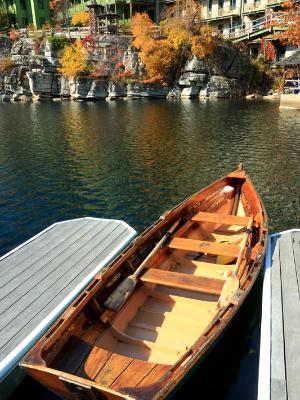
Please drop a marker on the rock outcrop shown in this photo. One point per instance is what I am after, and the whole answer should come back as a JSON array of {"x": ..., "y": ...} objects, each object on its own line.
[{"x": 35, "y": 75}]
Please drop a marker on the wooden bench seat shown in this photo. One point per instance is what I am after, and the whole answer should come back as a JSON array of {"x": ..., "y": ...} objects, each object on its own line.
[
  {"x": 221, "y": 219},
  {"x": 183, "y": 281},
  {"x": 199, "y": 246}
]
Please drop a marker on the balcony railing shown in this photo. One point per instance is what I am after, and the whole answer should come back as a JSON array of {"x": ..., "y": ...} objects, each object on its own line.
[
  {"x": 256, "y": 6},
  {"x": 265, "y": 22},
  {"x": 222, "y": 12}
]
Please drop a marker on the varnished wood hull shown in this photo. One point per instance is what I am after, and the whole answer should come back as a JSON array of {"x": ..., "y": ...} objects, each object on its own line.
[{"x": 178, "y": 311}]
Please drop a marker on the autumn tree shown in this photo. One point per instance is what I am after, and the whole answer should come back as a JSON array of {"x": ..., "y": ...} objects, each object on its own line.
[
  {"x": 81, "y": 19},
  {"x": 290, "y": 22},
  {"x": 74, "y": 61},
  {"x": 182, "y": 34}
]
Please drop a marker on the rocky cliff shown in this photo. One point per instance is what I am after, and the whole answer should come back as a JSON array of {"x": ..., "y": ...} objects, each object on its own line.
[{"x": 33, "y": 73}]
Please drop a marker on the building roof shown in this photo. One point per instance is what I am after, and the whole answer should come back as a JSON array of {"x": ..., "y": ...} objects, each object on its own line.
[{"x": 292, "y": 60}]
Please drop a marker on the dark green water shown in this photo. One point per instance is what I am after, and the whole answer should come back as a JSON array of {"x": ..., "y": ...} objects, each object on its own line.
[{"x": 133, "y": 160}]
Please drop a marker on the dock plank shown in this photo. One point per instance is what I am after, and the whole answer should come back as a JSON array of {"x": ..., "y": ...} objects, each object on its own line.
[
  {"x": 20, "y": 260},
  {"x": 29, "y": 309},
  {"x": 33, "y": 272},
  {"x": 59, "y": 268},
  {"x": 291, "y": 316},
  {"x": 278, "y": 378}
]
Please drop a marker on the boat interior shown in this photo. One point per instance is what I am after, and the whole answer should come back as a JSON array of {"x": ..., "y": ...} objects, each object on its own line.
[{"x": 174, "y": 304}]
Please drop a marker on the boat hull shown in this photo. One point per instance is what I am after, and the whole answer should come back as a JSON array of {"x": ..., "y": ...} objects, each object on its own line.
[{"x": 190, "y": 291}]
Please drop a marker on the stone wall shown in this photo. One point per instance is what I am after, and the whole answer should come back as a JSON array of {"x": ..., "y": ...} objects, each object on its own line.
[
  {"x": 5, "y": 46},
  {"x": 35, "y": 75}
]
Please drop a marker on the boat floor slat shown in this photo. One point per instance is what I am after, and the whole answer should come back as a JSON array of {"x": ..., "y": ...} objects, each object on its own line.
[
  {"x": 112, "y": 369},
  {"x": 170, "y": 321},
  {"x": 206, "y": 270},
  {"x": 94, "y": 362},
  {"x": 133, "y": 375},
  {"x": 153, "y": 377},
  {"x": 161, "y": 337}
]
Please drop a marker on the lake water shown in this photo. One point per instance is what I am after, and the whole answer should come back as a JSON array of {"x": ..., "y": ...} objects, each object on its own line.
[{"x": 133, "y": 160}]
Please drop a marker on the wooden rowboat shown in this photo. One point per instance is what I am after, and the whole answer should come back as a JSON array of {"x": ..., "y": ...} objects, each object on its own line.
[{"x": 190, "y": 289}]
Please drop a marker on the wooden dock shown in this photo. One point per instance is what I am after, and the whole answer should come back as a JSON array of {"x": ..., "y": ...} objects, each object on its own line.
[
  {"x": 279, "y": 367},
  {"x": 40, "y": 278}
]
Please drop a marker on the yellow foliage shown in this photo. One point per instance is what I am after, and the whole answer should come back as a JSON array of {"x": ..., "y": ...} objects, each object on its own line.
[
  {"x": 176, "y": 36},
  {"x": 160, "y": 61},
  {"x": 204, "y": 41},
  {"x": 181, "y": 36},
  {"x": 81, "y": 19},
  {"x": 74, "y": 61}
]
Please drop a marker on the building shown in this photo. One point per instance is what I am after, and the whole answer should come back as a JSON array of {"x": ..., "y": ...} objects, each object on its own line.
[
  {"x": 124, "y": 8},
  {"x": 229, "y": 16},
  {"x": 21, "y": 13}
]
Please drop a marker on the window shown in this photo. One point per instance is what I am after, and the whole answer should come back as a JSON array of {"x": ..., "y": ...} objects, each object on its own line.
[
  {"x": 233, "y": 3},
  {"x": 221, "y": 4},
  {"x": 209, "y": 5},
  {"x": 23, "y": 4},
  {"x": 41, "y": 4}
]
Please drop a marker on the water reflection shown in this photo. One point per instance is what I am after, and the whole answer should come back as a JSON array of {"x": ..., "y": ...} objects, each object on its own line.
[{"x": 133, "y": 160}]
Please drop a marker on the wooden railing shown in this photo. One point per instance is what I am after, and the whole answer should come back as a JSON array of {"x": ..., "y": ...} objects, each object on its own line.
[{"x": 266, "y": 22}]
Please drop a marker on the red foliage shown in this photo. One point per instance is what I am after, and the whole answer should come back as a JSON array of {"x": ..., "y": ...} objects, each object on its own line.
[
  {"x": 89, "y": 43},
  {"x": 268, "y": 50},
  {"x": 14, "y": 34},
  {"x": 124, "y": 74},
  {"x": 99, "y": 71},
  {"x": 119, "y": 65},
  {"x": 291, "y": 20}
]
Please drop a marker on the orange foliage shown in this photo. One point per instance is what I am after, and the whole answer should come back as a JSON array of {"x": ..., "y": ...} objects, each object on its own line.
[
  {"x": 164, "y": 53},
  {"x": 74, "y": 61},
  {"x": 205, "y": 41},
  {"x": 53, "y": 4},
  {"x": 291, "y": 20},
  {"x": 143, "y": 30},
  {"x": 81, "y": 19},
  {"x": 14, "y": 34}
]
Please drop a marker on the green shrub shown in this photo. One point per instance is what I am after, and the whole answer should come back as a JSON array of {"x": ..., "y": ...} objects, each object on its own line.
[
  {"x": 58, "y": 42},
  {"x": 260, "y": 74}
]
